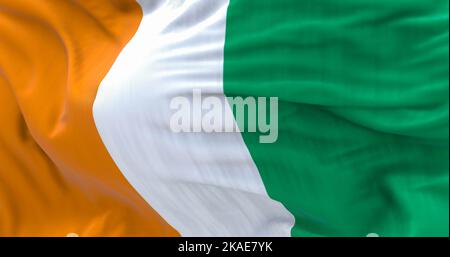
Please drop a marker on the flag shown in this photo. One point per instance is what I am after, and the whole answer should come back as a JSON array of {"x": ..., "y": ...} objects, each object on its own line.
[{"x": 350, "y": 139}]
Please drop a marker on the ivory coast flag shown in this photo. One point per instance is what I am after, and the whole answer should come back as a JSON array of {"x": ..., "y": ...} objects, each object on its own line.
[{"x": 362, "y": 146}]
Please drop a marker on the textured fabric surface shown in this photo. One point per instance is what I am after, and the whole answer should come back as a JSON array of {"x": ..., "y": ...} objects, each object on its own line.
[
  {"x": 363, "y": 112},
  {"x": 56, "y": 176}
]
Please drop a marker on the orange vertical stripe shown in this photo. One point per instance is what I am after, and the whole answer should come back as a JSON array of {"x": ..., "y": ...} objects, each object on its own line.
[{"x": 56, "y": 177}]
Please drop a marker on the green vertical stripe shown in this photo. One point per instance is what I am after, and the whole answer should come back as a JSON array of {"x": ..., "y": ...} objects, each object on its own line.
[{"x": 363, "y": 112}]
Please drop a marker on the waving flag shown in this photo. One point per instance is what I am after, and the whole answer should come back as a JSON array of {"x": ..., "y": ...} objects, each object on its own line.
[{"x": 360, "y": 147}]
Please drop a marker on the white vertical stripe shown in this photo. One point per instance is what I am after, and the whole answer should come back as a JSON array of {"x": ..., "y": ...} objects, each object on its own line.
[{"x": 203, "y": 184}]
